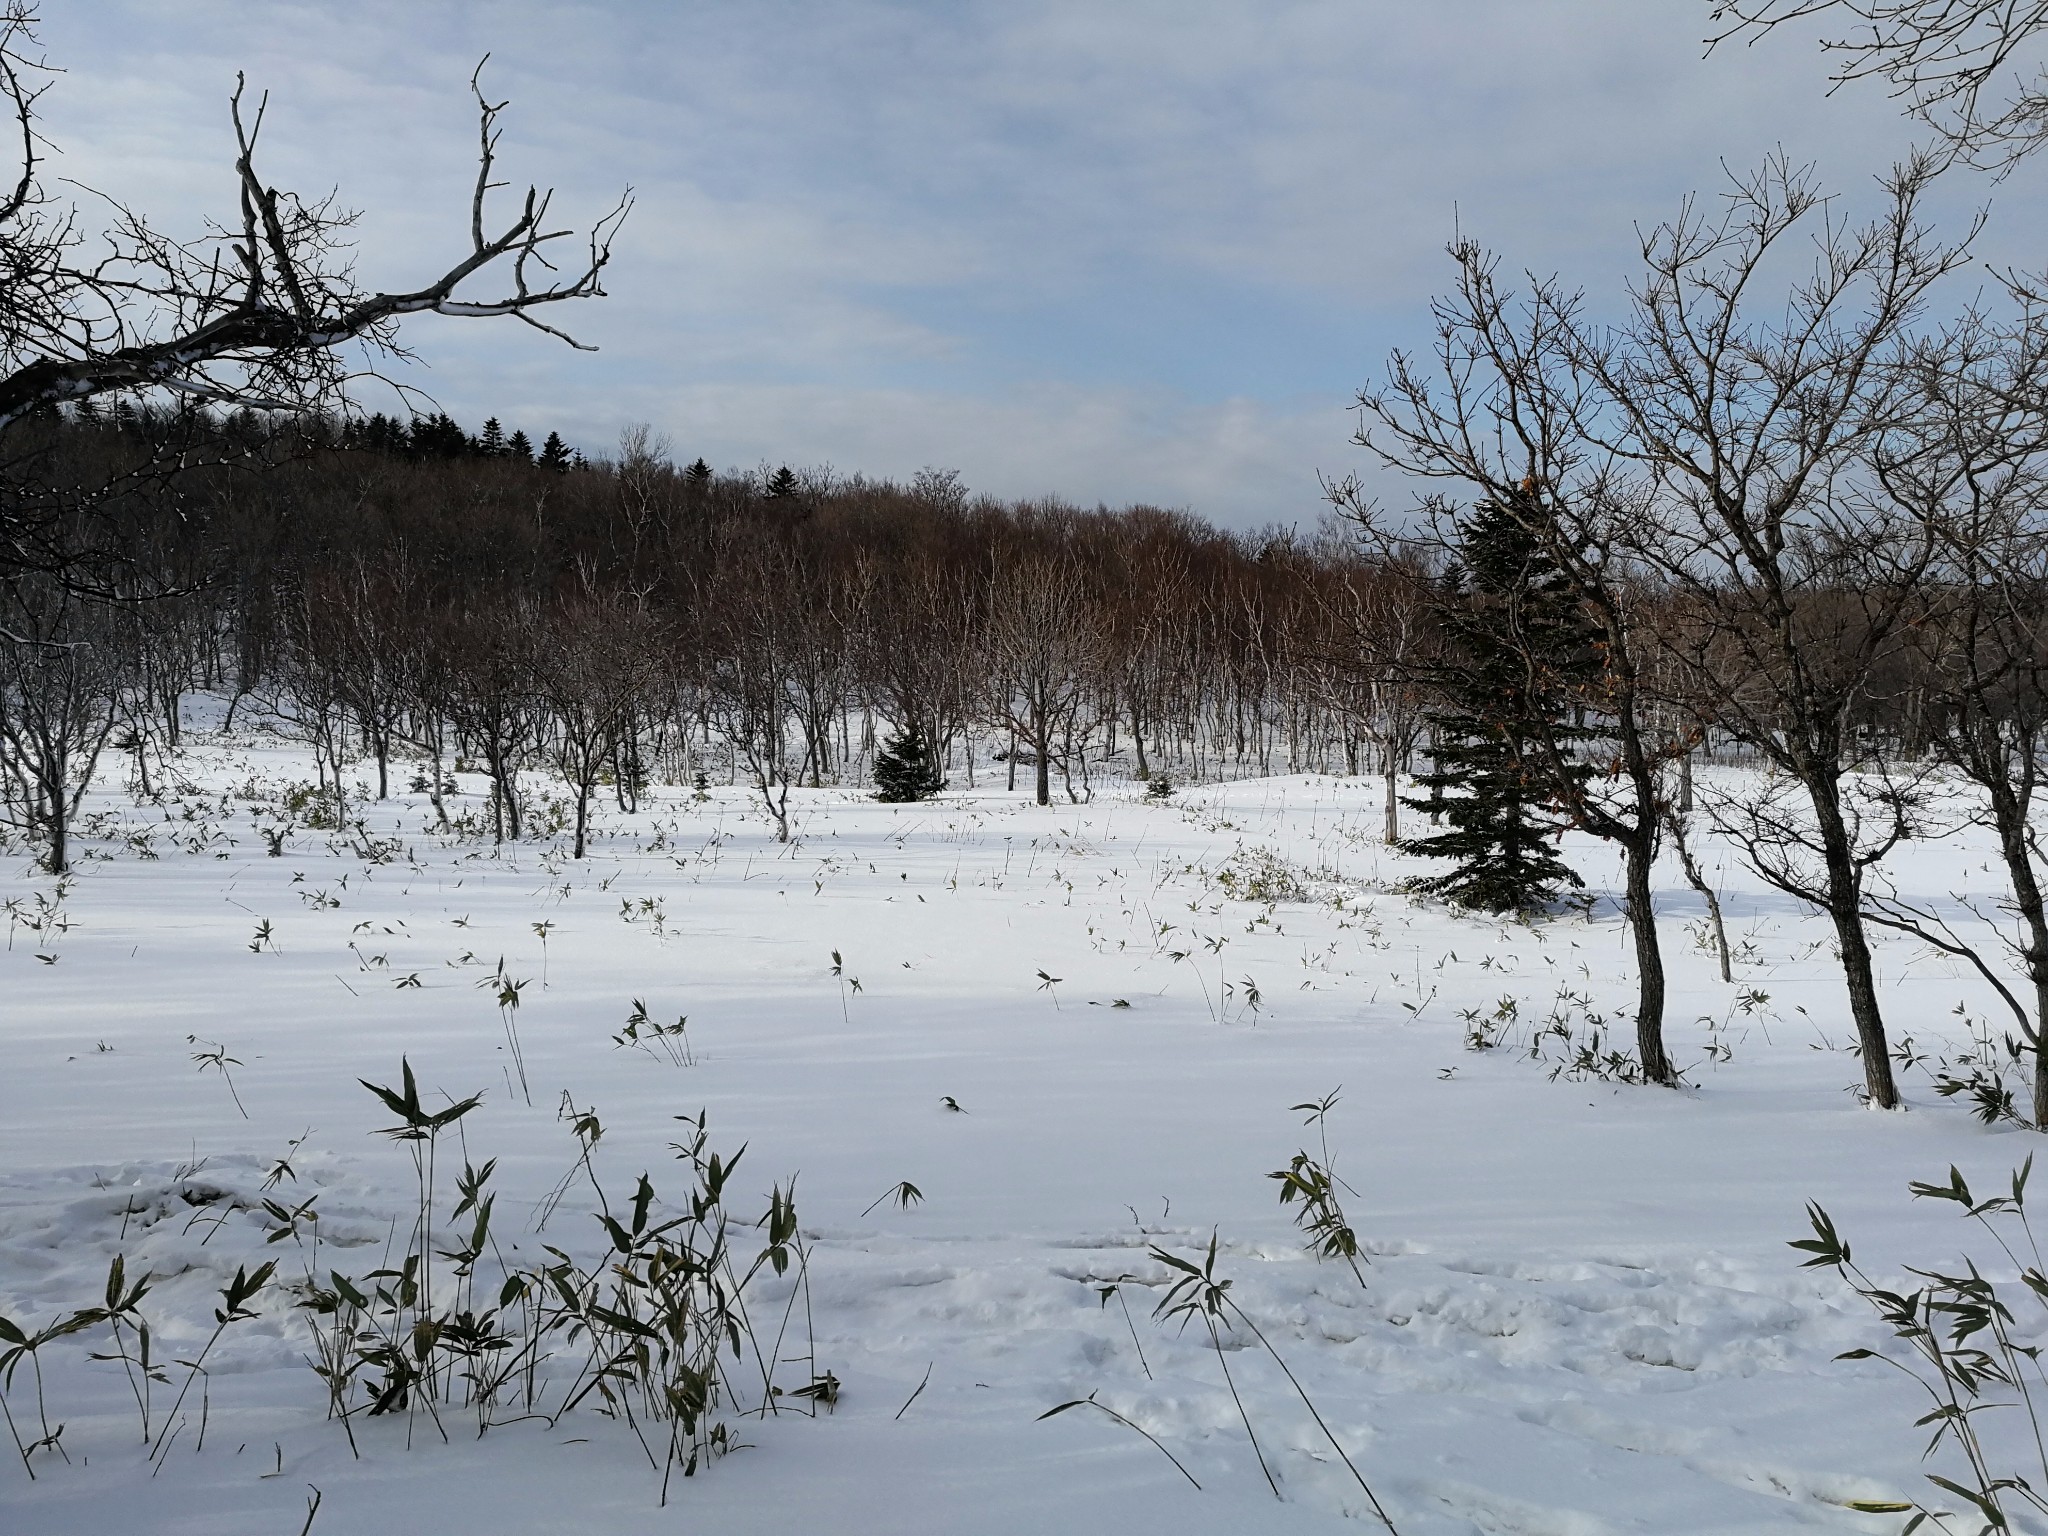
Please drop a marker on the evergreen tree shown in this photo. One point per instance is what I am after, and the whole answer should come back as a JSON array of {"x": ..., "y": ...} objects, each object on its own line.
[
  {"x": 378, "y": 433},
  {"x": 1522, "y": 644},
  {"x": 698, "y": 474},
  {"x": 520, "y": 447},
  {"x": 905, "y": 770},
  {"x": 782, "y": 483},
  {"x": 554, "y": 454},
  {"x": 491, "y": 443},
  {"x": 437, "y": 437}
]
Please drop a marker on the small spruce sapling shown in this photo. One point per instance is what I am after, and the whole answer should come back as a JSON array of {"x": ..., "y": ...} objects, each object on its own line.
[
  {"x": 905, "y": 770},
  {"x": 1521, "y": 647}
]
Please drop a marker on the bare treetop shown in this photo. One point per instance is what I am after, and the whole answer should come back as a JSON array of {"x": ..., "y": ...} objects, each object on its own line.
[
  {"x": 1970, "y": 69},
  {"x": 256, "y": 311}
]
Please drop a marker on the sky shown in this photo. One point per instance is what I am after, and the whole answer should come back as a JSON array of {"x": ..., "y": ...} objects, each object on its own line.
[{"x": 1120, "y": 251}]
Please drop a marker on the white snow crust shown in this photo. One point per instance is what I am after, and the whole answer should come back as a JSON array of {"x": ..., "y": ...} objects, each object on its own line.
[{"x": 1579, "y": 1318}]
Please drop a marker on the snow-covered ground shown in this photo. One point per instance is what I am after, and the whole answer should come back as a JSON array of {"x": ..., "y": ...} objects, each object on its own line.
[{"x": 1579, "y": 1314}]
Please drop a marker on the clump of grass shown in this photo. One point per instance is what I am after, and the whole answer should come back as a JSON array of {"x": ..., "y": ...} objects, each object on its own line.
[
  {"x": 655, "y": 1317},
  {"x": 42, "y": 913},
  {"x": 1313, "y": 1186},
  {"x": 214, "y": 1057},
  {"x": 1255, "y": 875},
  {"x": 652, "y": 1333},
  {"x": 235, "y": 1297},
  {"x": 507, "y": 990},
  {"x": 849, "y": 986},
  {"x": 643, "y": 1033},
  {"x": 1114, "y": 1291},
  {"x": 1961, "y": 1342},
  {"x": 1987, "y": 1074},
  {"x": 1573, "y": 1038},
  {"x": 1090, "y": 1401},
  {"x": 1200, "y": 1293},
  {"x": 903, "y": 1196},
  {"x": 19, "y": 1345},
  {"x": 122, "y": 1314},
  {"x": 541, "y": 931}
]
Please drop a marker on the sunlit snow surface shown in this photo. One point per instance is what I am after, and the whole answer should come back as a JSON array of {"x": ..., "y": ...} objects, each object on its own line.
[{"x": 1579, "y": 1317}]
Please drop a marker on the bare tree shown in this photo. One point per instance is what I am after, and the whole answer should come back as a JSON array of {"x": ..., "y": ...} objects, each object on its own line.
[
  {"x": 1378, "y": 651},
  {"x": 58, "y": 692},
  {"x": 1972, "y": 70},
  {"x": 492, "y": 702},
  {"x": 1791, "y": 576},
  {"x": 1503, "y": 410},
  {"x": 747, "y": 686},
  {"x": 259, "y": 311},
  {"x": 255, "y": 312},
  {"x": 1977, "y": 471},
  {"x": 1040, "y": 645},
  {"x": 591, "y": 665}
]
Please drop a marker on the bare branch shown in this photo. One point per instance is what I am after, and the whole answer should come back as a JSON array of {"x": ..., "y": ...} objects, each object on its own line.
[
  {"x": 1970, "y": 69},
  {"x": 255, "y": 317}
]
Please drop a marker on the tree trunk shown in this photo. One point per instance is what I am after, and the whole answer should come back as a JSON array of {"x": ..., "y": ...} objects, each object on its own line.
[
  {"x": 1642, "y": 917},
  {"x": 1845, "y": 907},
  {"x": 1698, "y": 881},
  {"x": 434, "y": 791},
  {"x": 2009, "y": 814},
  {"x": 58, "y": 858}
]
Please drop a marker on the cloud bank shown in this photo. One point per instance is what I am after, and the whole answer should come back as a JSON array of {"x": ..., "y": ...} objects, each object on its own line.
[{"x": 1142, "y": 252}]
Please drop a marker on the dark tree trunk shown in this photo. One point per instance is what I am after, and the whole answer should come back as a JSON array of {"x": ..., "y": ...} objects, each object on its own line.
[
  {"x": 1642, "y": 916},
  {"x": 1845, "y": 907},
  {"x": 2009, "y": 815}
]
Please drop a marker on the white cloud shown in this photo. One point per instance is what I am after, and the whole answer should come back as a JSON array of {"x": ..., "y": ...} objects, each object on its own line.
[{"x": 1066, "y": 246}]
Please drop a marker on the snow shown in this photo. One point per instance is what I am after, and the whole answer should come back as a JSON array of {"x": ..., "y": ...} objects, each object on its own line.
[{"x": 1579, "y": 1316}]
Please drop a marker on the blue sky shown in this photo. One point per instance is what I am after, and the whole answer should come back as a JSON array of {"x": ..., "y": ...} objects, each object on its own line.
[{"x": 1119, "y": 251}]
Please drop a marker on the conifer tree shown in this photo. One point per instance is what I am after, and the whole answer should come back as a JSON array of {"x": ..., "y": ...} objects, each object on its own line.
[
  {"x": 905, "y": 770},
  {"x": 782, "y": 483},
  {"x": 491, "y": 442},
  {"x": 698, "y": 473},
  {"x": 1519, "y": 643},
  {"x": 554, "y": 454},
  {"x": 379, "y": 433},
  {"x": 437, "y": 437},
  {"x": 520, "y": 447}
]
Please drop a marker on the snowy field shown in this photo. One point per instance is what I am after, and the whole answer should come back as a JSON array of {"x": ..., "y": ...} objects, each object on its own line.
[{"x": 1578, "y": 1314}]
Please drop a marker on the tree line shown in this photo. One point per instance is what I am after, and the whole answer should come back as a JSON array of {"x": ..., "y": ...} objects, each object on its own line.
[{"x": 630, "y": 616}]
